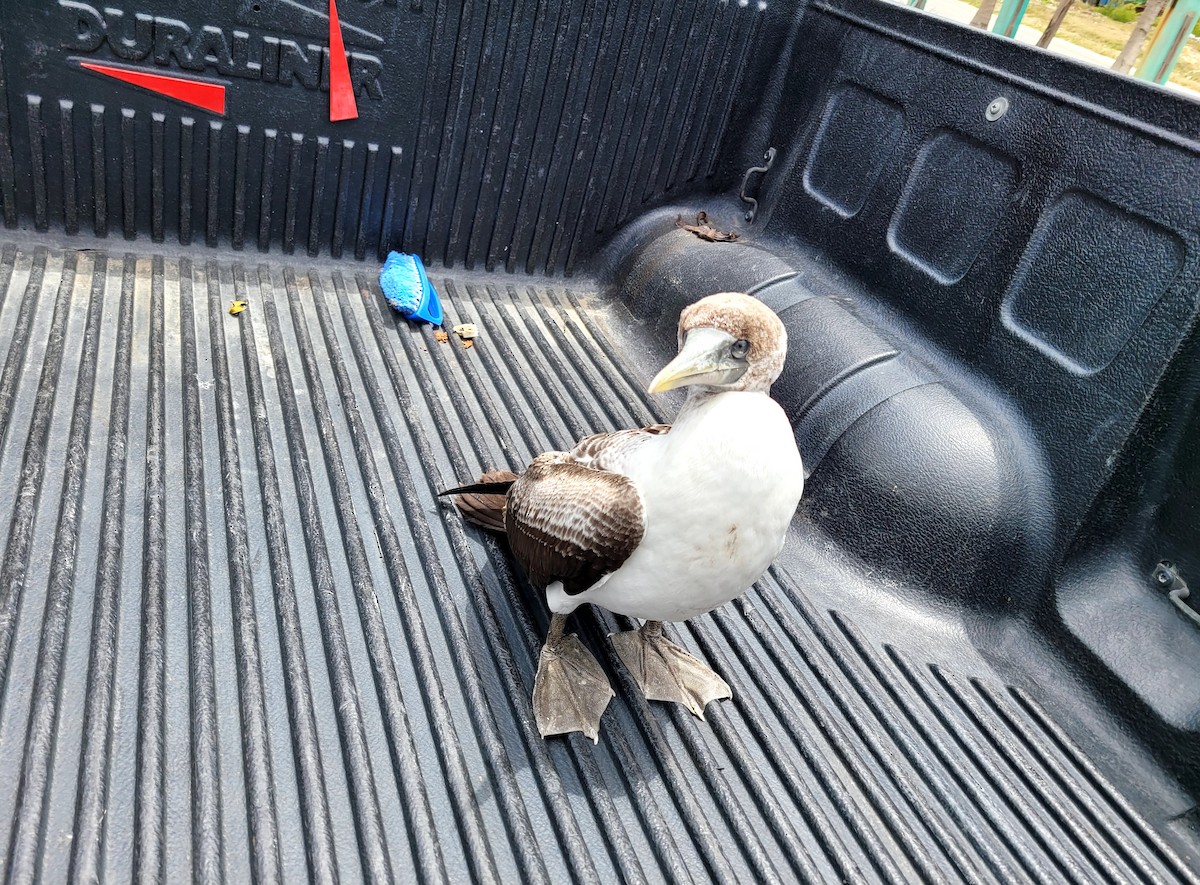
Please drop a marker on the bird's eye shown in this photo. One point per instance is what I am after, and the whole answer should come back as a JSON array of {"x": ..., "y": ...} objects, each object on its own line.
[{"x": 740, "y": 348}]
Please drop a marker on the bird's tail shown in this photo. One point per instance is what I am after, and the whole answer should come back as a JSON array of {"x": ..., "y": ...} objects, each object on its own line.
[{"x": 482, "y": 503}]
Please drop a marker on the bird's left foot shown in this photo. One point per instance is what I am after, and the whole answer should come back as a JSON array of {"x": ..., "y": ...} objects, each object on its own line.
[{"x": 665, "y": 672}]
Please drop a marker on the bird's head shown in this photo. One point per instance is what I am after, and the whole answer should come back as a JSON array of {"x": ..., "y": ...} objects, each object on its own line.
[{"x": 727, "y": 341}]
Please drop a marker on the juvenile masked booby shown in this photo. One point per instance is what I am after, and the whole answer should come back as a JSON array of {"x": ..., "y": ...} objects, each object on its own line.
[{"x": 662, "y": 523}]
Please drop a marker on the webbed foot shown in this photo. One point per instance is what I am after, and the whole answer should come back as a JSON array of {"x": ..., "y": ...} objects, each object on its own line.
[
  {"x": 570, "y": 692},
  {"x": 665, "y": 671}
]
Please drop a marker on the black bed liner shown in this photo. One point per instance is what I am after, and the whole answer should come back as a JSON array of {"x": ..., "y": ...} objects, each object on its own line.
[{"x": 280, "y": 599}]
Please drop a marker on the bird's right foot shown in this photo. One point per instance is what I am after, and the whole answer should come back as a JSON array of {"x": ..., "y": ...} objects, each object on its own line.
[{"x": 570, "y": 692}]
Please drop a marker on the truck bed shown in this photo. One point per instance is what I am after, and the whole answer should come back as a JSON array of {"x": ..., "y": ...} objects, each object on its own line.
[{"x": 241, "y": 634}]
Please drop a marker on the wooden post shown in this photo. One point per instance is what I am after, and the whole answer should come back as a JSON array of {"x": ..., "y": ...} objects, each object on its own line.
[
  {"x": 1056, "y": 20},
  {"x": 1133, "y": 46},
  {"x": 983, "y": 15}
]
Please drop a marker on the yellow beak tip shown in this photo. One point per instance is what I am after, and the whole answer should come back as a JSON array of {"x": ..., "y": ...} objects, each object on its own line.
[{"x": 661, "y": 385}]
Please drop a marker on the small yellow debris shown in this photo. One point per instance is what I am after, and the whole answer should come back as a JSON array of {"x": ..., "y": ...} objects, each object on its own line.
[
  {"x": 468, "y": 343},
  {"x": 466, "y": 331},
  {"x": 237, "y": 307},
  {"x": 441, "y": 336}
]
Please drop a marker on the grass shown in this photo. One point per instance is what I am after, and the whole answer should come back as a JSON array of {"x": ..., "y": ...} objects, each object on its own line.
[
  {"x": 1106, "y": 34},
  {"x": 1126, "y": 12}
]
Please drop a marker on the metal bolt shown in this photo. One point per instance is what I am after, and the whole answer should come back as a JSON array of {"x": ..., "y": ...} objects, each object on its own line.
[{"x": 997, "y": 109}]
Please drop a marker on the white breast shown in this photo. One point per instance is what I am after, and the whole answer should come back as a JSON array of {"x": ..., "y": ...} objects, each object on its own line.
[{"x": 719, "y": 491}]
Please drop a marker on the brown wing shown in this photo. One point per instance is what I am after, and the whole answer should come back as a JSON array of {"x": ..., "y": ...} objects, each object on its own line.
[{"x": 571, "y": 523}]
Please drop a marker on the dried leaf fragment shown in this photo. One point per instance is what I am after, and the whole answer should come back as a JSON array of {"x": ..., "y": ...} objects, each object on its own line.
[
  {"x": 706, "y": 231},
  {"x": 441, "y": 336}
]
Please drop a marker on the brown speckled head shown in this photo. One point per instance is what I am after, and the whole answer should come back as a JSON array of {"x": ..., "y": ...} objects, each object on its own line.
[{"x": 744, "y": 318}]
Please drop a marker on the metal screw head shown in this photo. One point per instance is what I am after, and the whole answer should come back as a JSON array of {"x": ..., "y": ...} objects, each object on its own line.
[{"x": 997, "y": 109}]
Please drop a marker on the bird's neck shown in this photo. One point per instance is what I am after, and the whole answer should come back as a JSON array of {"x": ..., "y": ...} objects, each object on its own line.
[
  {"x": 697, "y": 399},
  {"x": 702, "y": 400}
]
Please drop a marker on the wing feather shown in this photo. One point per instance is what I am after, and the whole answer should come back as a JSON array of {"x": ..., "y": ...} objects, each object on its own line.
[
  {"x": 611, "y": 451},
  {"x": 571, "y": 523}
]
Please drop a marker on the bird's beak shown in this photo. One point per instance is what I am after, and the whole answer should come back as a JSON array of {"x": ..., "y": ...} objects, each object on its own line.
[{"x": 703, "y": 359}]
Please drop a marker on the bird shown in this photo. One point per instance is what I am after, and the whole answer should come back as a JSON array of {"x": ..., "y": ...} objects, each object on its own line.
[{"x": 660, "y": 523}]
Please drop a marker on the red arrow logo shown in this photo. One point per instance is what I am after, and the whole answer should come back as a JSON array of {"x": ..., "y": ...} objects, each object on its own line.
[
  {"x": 342, "y": 105},
  {"x": 201, "y": 93}
]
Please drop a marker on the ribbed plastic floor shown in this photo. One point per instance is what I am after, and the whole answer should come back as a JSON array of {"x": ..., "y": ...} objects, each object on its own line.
[{"x": 240, "y": 637}]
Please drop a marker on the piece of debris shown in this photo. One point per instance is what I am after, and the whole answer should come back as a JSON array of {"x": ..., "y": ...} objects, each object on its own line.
[
  {"x": 237, "y": 307},
  {"x": 466, "y": 331},
  {"x": 468, "y": 343},
  {"x": 441, "y": 336},
  {"x": 706, "y": 231}
]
